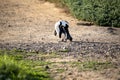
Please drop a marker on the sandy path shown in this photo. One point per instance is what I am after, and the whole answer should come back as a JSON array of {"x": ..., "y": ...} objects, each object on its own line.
[{"x": 33, "y": 20}]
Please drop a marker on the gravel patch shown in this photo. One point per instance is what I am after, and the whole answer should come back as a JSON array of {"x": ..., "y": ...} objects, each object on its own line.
[{"x": 73, "y": 47}]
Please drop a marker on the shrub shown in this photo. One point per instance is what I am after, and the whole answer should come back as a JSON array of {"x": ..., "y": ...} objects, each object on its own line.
[
  {"x": 10, "y": 69},
  {"x": 101, "y": 12}
]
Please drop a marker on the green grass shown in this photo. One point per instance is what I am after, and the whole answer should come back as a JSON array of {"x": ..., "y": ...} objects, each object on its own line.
[
  {"x": 60, "y": 70},
  {"x": 48, "y": 56},
  {"x": 13, "y": 66},
  {"x": 18, "y": 65},
  {"x": 92, "y": 65}
]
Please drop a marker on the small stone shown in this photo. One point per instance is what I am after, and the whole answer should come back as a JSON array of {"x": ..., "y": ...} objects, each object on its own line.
[
  {"x": 47, "y": 67},
  {"x": 79, "y": 60},
  {"x": 70, "y": 73},
  {"x": 9, "y": 25}
]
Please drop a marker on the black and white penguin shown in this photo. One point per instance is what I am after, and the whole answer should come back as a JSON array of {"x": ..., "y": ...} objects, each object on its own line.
[{"x": 61, "y": 27}]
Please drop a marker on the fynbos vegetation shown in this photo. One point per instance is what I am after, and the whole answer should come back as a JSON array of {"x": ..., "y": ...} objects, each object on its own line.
[
  {"x": 13, "y": 69},
  {"x": 101, "y": 12}
]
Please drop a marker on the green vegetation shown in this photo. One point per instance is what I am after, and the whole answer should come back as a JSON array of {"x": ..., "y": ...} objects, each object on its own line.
[
  {"x": 100, "y": 12},
  {"x": 60, "y": 70},
  {"x": 12, "y": 68},
  {"x": 92, "y": 65},
  {"x": 97, "y": 65},
  {"x": 21, "y": 65}
]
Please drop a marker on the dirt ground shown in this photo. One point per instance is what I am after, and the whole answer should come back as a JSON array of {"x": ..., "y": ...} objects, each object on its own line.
[{"x": 32, "y": 21}]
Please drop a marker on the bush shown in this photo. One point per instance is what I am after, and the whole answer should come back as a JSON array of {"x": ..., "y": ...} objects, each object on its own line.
[
  {"x": 101, "y": 12},
  {"x": 10, "y": 69}
]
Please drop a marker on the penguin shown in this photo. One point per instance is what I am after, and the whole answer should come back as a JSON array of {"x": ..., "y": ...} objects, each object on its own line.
[{"x": 61, "y": 27}]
